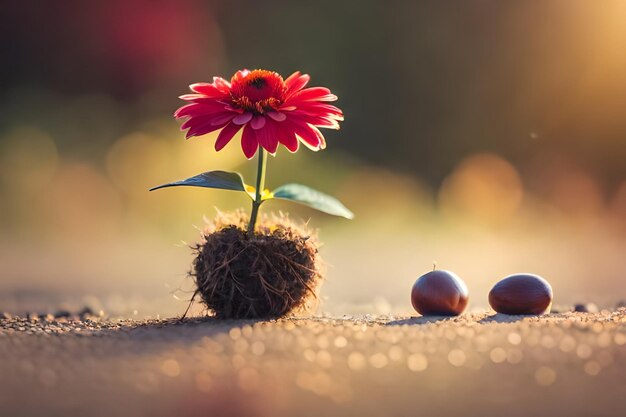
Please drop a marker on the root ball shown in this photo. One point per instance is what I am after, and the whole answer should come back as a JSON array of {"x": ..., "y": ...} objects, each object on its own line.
[{"x": 268, "y": 275}]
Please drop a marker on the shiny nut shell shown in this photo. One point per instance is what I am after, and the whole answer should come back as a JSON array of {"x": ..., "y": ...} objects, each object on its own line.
[
  {"x": 521, "y": 294},
  {"x": 439, "y": 293}
]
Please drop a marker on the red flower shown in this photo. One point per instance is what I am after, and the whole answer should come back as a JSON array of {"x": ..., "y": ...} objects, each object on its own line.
[{"x": 270, "y": 111}]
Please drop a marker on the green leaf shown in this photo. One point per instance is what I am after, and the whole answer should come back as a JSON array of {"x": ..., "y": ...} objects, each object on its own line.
[
  {"x": 312, "y": 198},
  {"x": 213, "y": 179}
]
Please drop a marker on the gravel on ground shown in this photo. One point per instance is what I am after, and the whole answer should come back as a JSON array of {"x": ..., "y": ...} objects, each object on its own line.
[{"x": 480, "y": 364}]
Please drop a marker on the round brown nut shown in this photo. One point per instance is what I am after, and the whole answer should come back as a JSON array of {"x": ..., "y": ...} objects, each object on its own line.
[
  {"x": 521, "y": 294},
  {"x": 439, "y": 293}
]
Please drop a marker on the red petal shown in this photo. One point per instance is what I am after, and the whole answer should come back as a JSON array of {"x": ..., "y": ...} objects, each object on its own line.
[
  {"x": 210, "y": 119},
  {"x": 311, "y": 94},
  {"x": 223, "y": 118},
  {"x": 234, "y": 109},
  {"x": 199, "y": 109},
  {"x": 308, "y": 134},
  {"x": 278, "y": 116},
  {"x": 195, "y": 121},
  {"x": 207, "y": 90},
  {"x": 243, "y": 118},
  {"x": 202, "y": 129},
  {"x": 226, "y": 135},
  {"x": 289, "y": 139},
  {"x": 267, "y": 137},
  {"x": 320, "y": 136},
  {"x": 202, "y": 99},
  {"x": 321, "y": 109},
  {"x": 292, "y": 77},
  {"x": 239, "y": 75},
  {"x": 222, "y": 85},
  {"x": 189, "y": 97},
  {"x": 249, "y": 142},
  {"x": 326, "y": 122},
  {"x": 296, "y": 82},
  {"x": 257, "y": 122}
]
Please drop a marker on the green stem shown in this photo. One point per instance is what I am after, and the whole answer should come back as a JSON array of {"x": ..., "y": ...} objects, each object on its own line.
[{"x": 260, "y": 186}]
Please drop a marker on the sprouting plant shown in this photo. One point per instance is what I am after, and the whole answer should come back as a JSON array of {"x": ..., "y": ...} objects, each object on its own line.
[{"x": 271, "y": 111}]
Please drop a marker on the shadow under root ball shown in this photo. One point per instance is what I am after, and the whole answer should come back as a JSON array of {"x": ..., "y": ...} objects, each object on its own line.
[
  {"x": 439, "y": 293},
  {"x": 268, "y": 275}
]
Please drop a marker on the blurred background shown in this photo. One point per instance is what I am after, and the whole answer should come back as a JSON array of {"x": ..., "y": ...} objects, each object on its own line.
[{"x": 488, "y": 137}]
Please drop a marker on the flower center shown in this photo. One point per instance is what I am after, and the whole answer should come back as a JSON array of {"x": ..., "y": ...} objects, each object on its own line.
[
  {"x": 258, "y": 83},
  {"x": 258, "y": 91}
]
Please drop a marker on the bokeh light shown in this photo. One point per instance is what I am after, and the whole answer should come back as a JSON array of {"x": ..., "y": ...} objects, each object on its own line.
[{"x": 488, "y": 140}]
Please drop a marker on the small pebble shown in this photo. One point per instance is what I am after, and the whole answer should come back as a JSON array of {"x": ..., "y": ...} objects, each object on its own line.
[
  {"x": 586, "y": 308},
  {"x": 62, "y": 313}
]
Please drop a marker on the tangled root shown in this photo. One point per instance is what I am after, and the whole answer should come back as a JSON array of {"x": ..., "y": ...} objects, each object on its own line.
[{"x": 269, "y": 275}]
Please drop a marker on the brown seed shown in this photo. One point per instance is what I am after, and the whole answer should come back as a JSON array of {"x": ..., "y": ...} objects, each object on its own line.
[
  {"x": 521, "y": 294},
  {"x": 439, "y": 293}
]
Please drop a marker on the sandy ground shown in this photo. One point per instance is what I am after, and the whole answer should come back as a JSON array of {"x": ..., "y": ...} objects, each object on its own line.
[{"x": 570, "y": 364}]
